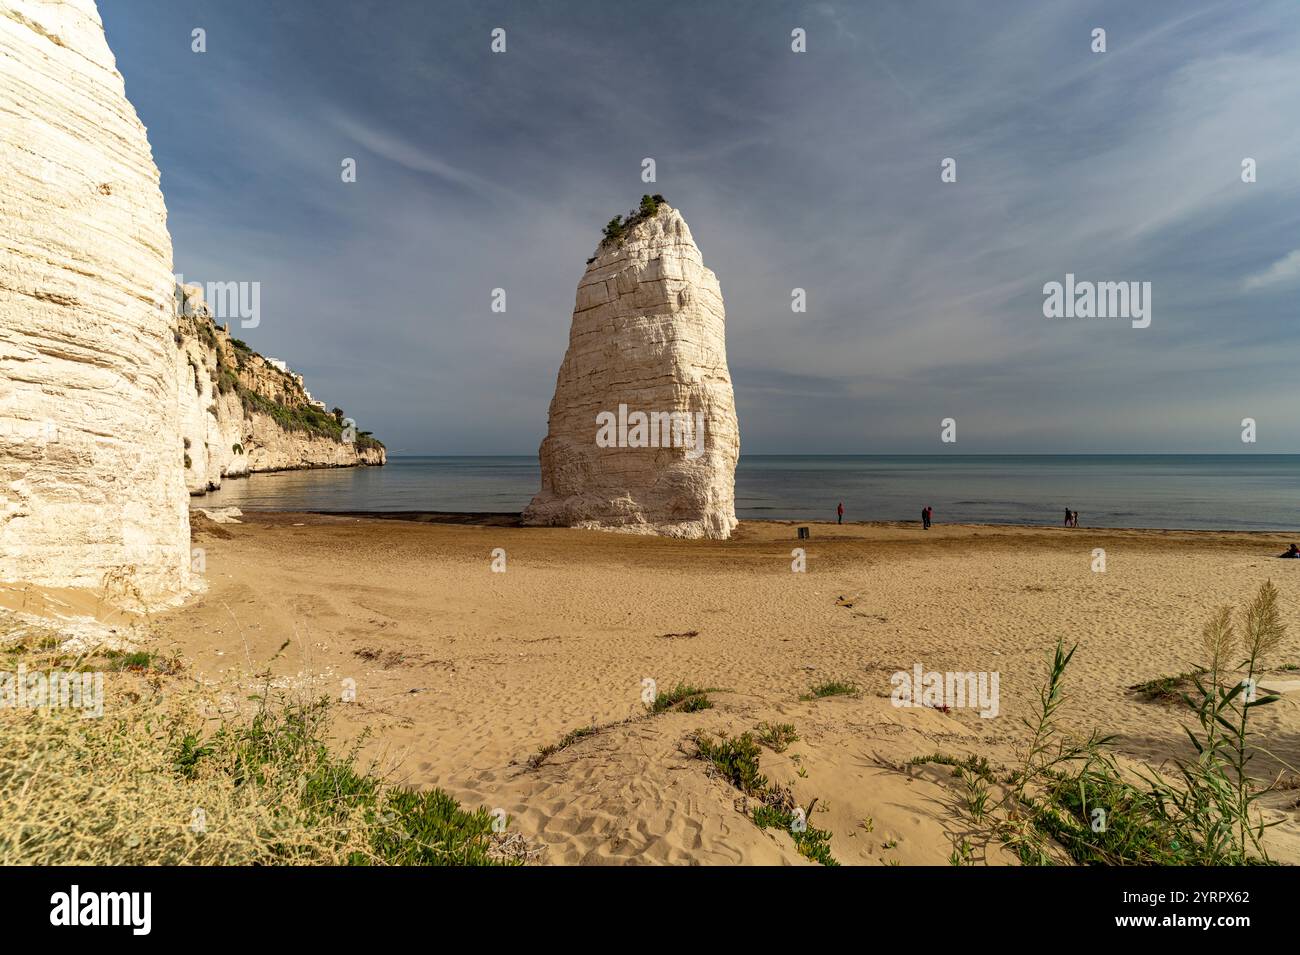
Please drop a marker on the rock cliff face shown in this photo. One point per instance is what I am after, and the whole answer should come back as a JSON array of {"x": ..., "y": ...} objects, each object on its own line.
[
  {"x": 241, "y": 414},
  {"x": 92, "y": 479},
  {"x": 642, "y": 434}
]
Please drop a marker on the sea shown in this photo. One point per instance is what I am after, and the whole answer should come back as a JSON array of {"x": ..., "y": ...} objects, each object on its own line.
[{"x": 1175, "y": 491}]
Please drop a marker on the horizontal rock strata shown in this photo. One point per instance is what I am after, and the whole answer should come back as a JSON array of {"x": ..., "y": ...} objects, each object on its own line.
[
  {"x": 92, "y": 486},
  {"x": 642, "y": 433}
]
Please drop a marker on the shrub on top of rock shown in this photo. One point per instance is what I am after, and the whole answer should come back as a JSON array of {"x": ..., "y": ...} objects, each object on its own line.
[{"x": 617, "y": 228}]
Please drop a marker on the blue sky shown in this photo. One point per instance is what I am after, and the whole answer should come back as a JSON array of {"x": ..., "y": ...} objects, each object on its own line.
[{"x": 817, "y": 170}]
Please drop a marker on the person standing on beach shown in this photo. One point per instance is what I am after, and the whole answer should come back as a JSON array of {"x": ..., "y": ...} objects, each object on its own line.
[
  {"x": 925, "y": 517},
  {"x": 839, "y": 513},
  {"x": 1068, "y": 515}
]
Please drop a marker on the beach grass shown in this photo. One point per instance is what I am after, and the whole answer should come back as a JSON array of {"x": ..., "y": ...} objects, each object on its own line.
[
  {"x": 976, "y": 765},
  {"x": 1167, "y": 689},
  {"x": 1070, "y": 800},
  {"x": 736, "y": 759},
  {"x": 776, "y": 736},
  {"x": 151, "y": 782},
  {"x": 830, "y": 688},
  {"x": 684, "y": 698},
  {"x": 569, "y": 738},
  {"x": 140, "y": 661}
]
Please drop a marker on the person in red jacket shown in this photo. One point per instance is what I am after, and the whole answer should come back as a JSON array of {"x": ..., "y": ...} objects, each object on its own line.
[{"x": 839, "y": 513}]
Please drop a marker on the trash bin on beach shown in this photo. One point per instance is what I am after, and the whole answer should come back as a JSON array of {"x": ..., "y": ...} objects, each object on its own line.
[{"x": 803, "y": 533}]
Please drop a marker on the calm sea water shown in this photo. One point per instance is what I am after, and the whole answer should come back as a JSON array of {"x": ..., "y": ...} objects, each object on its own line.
[{"x": 1222, "y": 492}]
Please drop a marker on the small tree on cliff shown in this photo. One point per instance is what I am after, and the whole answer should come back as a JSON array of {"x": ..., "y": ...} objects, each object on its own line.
[
  {"x": 614, "y": 229},
  {"x": 617, "y": 228}
]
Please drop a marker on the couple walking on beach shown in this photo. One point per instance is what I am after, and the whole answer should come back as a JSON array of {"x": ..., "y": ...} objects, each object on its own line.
[{"x": 1071, "y": 518}]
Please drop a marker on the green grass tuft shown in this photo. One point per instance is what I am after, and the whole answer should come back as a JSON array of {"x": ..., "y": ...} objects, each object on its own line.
[
  {"x": 776, "y": 736},
  {"x": 683, "y": 698},
  {"x": 404, "y": 826},
  {"x": 1167, "y": 689},
  {"x": 977, "y": 765},
  {"x": 831, "y": 688},
  {"x": 736, "y": 760},
  {"x": 571, "y": 737}
]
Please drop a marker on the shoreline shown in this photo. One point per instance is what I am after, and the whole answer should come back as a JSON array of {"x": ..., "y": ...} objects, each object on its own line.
[
  {"x": 513, "y": 519},
  {"x": 1203, "y": 493},
  {"x": 251, "y": 472}
]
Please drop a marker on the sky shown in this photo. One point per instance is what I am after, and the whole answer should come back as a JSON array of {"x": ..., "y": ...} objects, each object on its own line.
[{"x": 818, "y": 170}]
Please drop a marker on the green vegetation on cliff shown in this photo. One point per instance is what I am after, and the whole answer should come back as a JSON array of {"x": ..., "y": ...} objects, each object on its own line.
[
  {"x": 303, "y": 419},
  {"x": 617, "y": 228},
  {"x": 286, "y": 404}
]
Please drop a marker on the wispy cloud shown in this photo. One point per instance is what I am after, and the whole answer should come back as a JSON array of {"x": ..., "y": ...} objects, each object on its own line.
[
  {"x": 413, "y": 157},
  {"x": 1285, "y": 271},
  {"x": 817, "y": 170}
]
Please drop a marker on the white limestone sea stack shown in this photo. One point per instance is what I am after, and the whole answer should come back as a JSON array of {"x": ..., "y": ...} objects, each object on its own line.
[
  {"x": 642, "y": 434},
  {"x": 91, "y": 462}
]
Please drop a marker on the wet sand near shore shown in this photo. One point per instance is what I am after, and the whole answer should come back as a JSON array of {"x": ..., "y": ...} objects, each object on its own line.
[{"x": 463, "y": 673}]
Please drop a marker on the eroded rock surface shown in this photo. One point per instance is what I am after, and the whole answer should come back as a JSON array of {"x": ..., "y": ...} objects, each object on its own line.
[
  {"x": 91, "y": 463},
  {"x": 647, "y": 338}
]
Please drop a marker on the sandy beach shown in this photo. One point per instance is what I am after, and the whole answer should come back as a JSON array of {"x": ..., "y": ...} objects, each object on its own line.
[
  {"x": 435, "y": 441},
  {"x": 463, "y": 673}
]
